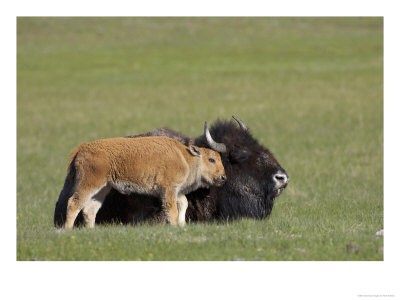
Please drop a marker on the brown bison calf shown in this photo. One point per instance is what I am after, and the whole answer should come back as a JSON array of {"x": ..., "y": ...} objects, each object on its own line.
[{"x": 156, "y": 166}]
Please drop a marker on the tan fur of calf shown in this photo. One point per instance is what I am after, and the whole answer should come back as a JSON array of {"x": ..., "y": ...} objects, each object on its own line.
[{"x": 157, "y": 166}]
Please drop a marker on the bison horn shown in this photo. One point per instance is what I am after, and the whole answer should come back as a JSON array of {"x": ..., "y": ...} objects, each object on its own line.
[
  {"x": 241, "y": 124},
  {"x": 219, "y": 147}
]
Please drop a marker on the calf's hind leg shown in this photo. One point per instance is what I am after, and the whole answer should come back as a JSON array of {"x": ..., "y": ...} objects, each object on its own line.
[
  {"x": 82, "y": 199},
  {"x": 92, "y": 206},
  {"x": 169, "y": 200},
  {"x": 75, "y": 203}
]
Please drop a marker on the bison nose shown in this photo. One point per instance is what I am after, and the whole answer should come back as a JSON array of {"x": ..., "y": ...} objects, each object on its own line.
[
  {"x": 281, "y": 179},
  {"x": 223, "y": 178}
]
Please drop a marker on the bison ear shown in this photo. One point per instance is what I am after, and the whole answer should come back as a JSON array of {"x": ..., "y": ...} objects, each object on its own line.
[
  {"x": 194, "y": 150},
  {"x": 239, "y": 156}
]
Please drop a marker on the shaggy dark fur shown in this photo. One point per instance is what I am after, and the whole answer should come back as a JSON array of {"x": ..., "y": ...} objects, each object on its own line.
[{"x": 248, "y": 192}]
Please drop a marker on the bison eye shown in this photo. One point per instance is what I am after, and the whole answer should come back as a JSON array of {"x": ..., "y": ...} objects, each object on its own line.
[{"x": 211, "y": 160}]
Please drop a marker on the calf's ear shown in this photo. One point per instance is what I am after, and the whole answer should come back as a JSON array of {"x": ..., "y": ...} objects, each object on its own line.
[{"x": 194, "y": 150}]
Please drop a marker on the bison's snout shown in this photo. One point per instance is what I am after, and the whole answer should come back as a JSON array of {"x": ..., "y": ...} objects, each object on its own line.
[
  {"x": 281, "y": 181},
  {"x": 220, "y": 180}
]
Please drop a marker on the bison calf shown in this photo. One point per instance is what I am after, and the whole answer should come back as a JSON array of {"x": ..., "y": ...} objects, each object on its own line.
[{"x": 156, "y": 166}]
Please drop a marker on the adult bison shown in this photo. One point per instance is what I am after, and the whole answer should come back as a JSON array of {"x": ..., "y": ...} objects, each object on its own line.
[{"x": 254, "y": 180}]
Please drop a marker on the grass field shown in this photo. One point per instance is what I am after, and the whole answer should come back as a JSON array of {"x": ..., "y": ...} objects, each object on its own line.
[{"x": 310, "y": 89}]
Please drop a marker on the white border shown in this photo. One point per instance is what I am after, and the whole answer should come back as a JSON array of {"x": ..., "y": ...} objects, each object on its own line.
[
  {"x": 199, "y": 280},
  {"x": 200, "y": 8}
]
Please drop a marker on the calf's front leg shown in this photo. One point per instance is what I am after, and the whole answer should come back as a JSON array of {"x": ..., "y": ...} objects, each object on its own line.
[
  {"x": 182, "y": 207},
  {"x": 169, "y": 200}
]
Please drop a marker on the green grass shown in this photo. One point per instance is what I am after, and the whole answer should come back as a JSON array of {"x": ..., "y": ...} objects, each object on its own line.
[{"x": 310, "y": 89}]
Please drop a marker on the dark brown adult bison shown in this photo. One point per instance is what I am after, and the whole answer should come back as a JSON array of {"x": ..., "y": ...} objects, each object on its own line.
[{"x": 254, "y": 180}]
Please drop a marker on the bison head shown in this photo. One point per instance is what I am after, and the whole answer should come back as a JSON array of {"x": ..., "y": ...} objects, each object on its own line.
[{"x": 255, "y": 177}]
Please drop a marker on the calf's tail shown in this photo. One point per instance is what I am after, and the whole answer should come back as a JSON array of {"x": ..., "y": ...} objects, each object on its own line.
[{"x": 67, "y": 191}]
